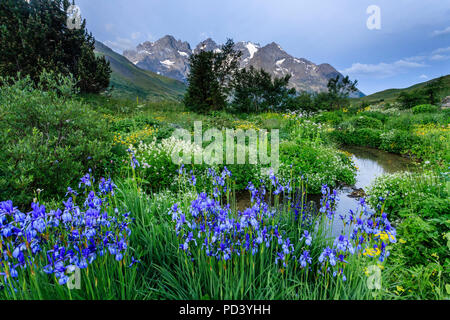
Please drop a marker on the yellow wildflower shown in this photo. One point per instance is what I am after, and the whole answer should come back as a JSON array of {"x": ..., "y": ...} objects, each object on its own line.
[
  {"x": 371, "y": 252},
  {"x": 385, "y": 236},
  {"x": 400, "y": 289}
]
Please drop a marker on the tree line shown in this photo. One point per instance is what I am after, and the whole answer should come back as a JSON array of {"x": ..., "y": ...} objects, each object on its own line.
[
  {"x": 429, "y": 94},
  {"x": 216, "y": 82}
]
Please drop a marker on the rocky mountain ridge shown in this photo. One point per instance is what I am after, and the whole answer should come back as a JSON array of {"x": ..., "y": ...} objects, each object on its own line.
[{"x": 170, "y": 57}]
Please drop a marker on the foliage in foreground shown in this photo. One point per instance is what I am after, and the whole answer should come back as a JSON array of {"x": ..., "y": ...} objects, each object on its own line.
[
  {"x": 270, "y": 250},
  {"x": 87, "y": 238},
  {"x": 47, "y": 138},
  {"x": 419, "y": 202}
]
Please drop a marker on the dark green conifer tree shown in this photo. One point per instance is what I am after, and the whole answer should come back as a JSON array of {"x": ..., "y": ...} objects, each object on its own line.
[
  {"x": 210, "y": 78},
  {"x": 256, "y": 91},
  {"x": 35, "y": 36}
]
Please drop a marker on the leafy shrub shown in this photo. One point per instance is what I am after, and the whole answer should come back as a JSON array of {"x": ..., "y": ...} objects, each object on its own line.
[
  {"x": 155, "y": 161},
  {"x": 397, "y": 141},
  {"x": 331, "y": 117},
  {"x": 420, "y": 204},
  {"x": 359, "y": 122},
  {"x": 424, "y": 108},
  {"x": 375, "y": 114},
  {"x": 371, "y": 137},
  {"x": 164, "y": 131},
  {"x": 46, "y": 139},
  {"x": 132, "y": 124},
  {"x": 408, "y": 100},
  {"x": 407, "y": 121},
  {"x": 362, "y": 137},
  {"x": 420, "y": 263},
  {"x": 318, "y": 163},
  {"x": 423, "y": 193},
  {"x": 404, "y": 121},
  {"x": 432, "y": 142},
  {"x": 391, "y": 186}
]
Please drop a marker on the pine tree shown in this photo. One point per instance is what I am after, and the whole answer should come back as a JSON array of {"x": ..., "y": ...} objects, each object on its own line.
[
  {"x": 433, "y": 89},
  {"x": 408, "y": 100},
  {"x": 256, "y": 91},
  {"x": 210, "y": 78},
  {"x": 339, "y": 90},
  {"x": 35, "y": 37},
  {"x": 203, "y": 92}
]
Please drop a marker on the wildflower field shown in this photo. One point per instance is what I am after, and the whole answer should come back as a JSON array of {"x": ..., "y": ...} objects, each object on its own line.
[{"x": 93, "y": 207}]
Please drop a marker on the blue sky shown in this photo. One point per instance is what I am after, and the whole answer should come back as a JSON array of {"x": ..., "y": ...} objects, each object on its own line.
[{"x": 412, "y": 45}]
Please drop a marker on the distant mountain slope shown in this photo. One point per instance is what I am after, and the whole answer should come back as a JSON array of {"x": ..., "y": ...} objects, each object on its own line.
[
  {"x": 170, "y": 57},
  {"x": 390, "y": 95},
  {"x": 130, "y": 81}
]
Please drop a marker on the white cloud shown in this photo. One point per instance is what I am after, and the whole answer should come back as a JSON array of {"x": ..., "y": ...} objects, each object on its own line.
[
  {"x": 440, "y": 54},
  {"x": 119, "y": 44},
  {"x": 135, "y": 35},
  {"x": 415, "y": 58},
  {"x": 423, "y": 76},
  {"x": 382, "y": 69},
  {"x": 109, "y": 27},
  {"x": 439, "y": 57},
  {"x": 441, "y": 32},
  {"x": 442, "y": 50}
]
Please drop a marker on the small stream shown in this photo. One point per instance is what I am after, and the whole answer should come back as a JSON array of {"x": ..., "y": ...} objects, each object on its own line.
[{"x": 371, "y": 163}]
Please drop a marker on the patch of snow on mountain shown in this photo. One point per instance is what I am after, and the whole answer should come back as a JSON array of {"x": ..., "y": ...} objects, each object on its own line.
[
  {"x": 280, "y": 62},
  {"x": 252, "y": 49},
  {"x": 183, "y": 53},
  {"x": 167, "y": 63}
]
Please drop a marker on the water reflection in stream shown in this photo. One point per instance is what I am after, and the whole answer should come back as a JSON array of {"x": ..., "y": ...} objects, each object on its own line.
[{"x": 371, "y": 163}]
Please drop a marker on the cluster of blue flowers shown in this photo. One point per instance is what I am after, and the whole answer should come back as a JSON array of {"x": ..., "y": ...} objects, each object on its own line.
[
  {"x": 59, "y": 241},
  {"x": 133, "y": 161},
  {"x": 211, "y": 225},
  {"x": 219, "y": 232},
  {"x": 370, "y": 235},
  {"x": 328, "y": 202}
]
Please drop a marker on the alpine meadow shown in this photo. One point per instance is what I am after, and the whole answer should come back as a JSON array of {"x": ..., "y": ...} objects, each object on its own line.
[{"x": 141, "y": 168}]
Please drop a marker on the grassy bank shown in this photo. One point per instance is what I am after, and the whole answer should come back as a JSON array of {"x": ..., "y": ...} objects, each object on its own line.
[{"x": 420, "y": 133}]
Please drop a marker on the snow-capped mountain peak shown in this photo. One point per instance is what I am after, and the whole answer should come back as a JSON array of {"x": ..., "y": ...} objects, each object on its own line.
[{"x": 170, "y": 57}]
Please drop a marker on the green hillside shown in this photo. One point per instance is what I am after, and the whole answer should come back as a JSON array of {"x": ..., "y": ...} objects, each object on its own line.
[
  {"x": 130, "y": 81},
  {"x": 390, "y": 95}
]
